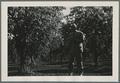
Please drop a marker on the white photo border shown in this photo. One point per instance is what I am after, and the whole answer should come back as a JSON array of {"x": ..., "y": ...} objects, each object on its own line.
[{"x": 115, "y": 41}]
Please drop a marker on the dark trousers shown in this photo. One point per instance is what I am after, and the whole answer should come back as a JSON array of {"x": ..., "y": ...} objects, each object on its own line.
[{"x": 75, "y": 56}]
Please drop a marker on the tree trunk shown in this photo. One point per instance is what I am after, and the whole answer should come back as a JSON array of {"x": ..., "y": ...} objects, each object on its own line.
[{"x": 50, "y": 58}]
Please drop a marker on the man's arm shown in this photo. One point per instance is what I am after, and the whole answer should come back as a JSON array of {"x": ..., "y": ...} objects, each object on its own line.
[
  {"x": 82, "y": 43},
  {"x": 81, "y": 46}
]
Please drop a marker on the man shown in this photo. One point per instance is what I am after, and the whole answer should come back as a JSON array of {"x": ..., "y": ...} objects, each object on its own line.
[{"x": 76, "y": 50}]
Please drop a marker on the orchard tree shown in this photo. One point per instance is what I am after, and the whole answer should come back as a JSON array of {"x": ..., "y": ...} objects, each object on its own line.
[{"x": 33, "y": 29}]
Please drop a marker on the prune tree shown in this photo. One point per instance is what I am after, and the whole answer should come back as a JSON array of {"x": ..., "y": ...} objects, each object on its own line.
[{"x": 33, "y": 29}]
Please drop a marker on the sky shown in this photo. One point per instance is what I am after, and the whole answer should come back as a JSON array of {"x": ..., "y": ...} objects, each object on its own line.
[{"x": 66, "y": 11}]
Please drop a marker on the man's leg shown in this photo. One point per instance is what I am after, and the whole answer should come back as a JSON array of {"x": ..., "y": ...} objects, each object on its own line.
[
  {"x": 79, "y": 63},
  {"x": 70, "y": 64}
]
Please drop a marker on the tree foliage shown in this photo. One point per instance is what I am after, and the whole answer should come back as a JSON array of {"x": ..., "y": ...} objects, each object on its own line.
[
  {"x": 91, "y": 20},
  {"x": 35, "y": 32},
  {"x": 33, "y": 29}
]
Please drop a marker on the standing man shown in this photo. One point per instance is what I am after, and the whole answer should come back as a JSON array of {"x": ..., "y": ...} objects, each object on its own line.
[{"x": 76, "y": 50}]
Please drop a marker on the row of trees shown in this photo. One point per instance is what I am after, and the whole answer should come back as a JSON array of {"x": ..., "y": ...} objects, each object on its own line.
[
  {"x": 37, "y": 33},
  {"x": 32, "y": 31}
]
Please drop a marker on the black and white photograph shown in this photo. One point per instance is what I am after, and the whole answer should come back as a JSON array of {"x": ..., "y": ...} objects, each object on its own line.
[{"x": 60, "y": 40}]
